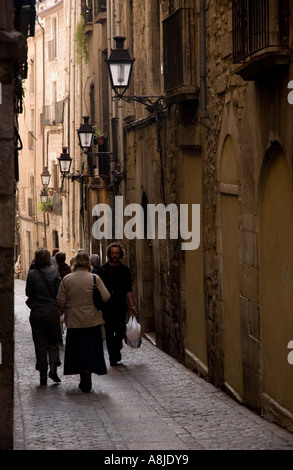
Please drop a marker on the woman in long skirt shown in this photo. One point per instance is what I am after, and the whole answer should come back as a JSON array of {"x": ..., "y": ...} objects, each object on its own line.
[{"x": 84, "y": 352}]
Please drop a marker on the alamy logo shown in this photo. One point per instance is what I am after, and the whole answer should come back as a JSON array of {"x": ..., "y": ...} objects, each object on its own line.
[
  {"x": 155, "y": 219},
  {"x": 290, "y": 94},
  {"x": 290, "y": 355}
]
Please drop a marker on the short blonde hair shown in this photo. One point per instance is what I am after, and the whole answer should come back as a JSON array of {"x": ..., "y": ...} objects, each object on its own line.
[{"x": 81, "y": 260}]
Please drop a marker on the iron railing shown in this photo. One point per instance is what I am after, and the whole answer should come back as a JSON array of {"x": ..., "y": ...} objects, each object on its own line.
[
  {"x": 250, "y": 27},
  {"x": 179, "y": 46}
]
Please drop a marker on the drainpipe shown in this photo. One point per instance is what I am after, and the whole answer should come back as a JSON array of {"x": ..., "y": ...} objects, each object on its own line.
[
  {"x": 120, "y": 106},
  {"x": 202, "y": 45},
  {"x": 109, "y": 46},
  {"x": 204, "y": 116},
  {"x": 43, "y": 136},
  {"x": 44, "y": 85}
]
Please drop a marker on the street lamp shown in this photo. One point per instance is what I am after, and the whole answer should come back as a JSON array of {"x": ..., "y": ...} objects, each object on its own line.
[
  {"x": 64, "y": 162},
  {"x": 44, "y": 196},
  {"x": 45, "y": 176},
  {"x": 64, "y": 165},
  {"x": 85, "y": 134},
  {"x": 120, "y": 68}
]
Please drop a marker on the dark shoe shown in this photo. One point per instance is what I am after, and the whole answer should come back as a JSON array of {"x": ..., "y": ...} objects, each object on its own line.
[
  {"x": 85, "y": 382},
  {"x": 43, "y": 377},
  {"x": 54, "y": 377},
  {"x": 116, "y": 358}
]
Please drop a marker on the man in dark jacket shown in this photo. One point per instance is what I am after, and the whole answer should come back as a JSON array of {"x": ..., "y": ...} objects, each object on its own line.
[{"x": 117, "y": 279}]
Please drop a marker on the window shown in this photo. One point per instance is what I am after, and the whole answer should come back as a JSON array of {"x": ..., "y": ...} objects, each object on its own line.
[
  {"x": 258, "y": 25},
  {"x": 179, "y": 54},
  {"x": 250, "y": 27},
  {"x": 32, "y": 76},
  {"x": 31, "y": 132},
  {"x": 52, "y": 44},
  {"x": 284, "y": 23}
]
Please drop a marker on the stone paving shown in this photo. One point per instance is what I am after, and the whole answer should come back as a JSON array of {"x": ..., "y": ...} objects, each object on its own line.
[{"x": 148, "y": 402}]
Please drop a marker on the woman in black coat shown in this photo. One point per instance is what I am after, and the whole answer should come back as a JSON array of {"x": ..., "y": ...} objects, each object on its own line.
[{"x": 42, "y": 287}]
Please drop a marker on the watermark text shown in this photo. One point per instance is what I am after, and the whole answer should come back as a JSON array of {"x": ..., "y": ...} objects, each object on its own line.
[{"x": 157, "y": 221}]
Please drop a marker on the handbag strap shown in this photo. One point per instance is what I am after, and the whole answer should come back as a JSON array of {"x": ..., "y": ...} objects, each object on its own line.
[
  {"x": 46, "y": 283},
  {"x": 95, "y": 281}
]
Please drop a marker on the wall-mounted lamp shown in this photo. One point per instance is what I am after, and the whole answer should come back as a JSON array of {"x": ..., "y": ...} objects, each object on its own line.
[
  {"x": 120, "y": 68},
  {"x": 45, "y": 176},
  {"x": 44, "y": 196},
  {"x": 64, "y": 166},
  {"x": 64, "y": 162},
  {"x": 86, "y": 134}
]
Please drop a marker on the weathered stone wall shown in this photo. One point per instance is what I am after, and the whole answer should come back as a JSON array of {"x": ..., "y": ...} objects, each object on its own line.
[
  {"x": 12, "y": 46},
  {"x": 256, "y": 116}
]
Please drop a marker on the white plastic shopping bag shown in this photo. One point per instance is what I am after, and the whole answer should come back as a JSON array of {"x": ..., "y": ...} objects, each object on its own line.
[{"x": 133, "y": 333}]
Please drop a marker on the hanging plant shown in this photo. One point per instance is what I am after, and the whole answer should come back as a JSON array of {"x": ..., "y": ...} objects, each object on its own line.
[{"x": 81, "y": 42}]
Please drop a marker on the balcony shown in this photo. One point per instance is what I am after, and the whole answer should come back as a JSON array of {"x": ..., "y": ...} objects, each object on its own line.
[
  {"x": 94, "y": 11},
  {"x": 53, "y": 114},
  {"x": 100, "y": 11},
  {"x": 179, "y": 55},
  {"x": 260, "y": 37}
]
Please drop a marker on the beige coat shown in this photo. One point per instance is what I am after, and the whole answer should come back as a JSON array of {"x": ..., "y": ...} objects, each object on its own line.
[{"x": 75, "y": 299}]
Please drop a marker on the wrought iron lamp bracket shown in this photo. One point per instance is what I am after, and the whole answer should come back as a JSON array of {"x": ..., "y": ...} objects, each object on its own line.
[{"x": 153, "y": 103}]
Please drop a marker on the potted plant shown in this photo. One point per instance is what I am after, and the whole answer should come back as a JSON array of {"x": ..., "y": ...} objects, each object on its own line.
[
  {"x": 45, "y": 206},
  {"x": 98, "y": 136}
]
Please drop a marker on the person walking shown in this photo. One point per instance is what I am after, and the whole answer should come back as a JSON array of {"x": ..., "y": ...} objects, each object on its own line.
[
  {"x": 53, "y": 258},
  {"x": 84, "y": 353},
  {"x": 63, "y": 268},
  {"x": 95, "y": 262},
  {"x": 117, "y": 279},
  {"x": 42, "y": 286}
]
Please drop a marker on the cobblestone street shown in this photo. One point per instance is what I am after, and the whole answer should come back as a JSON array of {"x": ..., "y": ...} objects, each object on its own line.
[{"x": 148, "y": 402}]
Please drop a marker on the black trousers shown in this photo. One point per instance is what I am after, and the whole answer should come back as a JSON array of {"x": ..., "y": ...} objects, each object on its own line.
[
  {"x": 115, "y": 329},
  {"x": 45, "y": 324}
]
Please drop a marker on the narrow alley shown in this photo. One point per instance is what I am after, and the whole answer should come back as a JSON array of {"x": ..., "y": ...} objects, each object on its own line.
[{"x": 149, "y": 402}]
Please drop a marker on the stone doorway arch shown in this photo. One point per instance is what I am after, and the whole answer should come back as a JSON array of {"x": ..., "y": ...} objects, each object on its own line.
[
  {"x": 146, "y": 280},
  {"x": 276, "y": 277},
  {"x": 230, "y": 272}
]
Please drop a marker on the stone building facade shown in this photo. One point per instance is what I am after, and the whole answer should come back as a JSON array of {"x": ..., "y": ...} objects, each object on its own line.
[
  {"x": 15, "y": 26},
  {"x": 248, "y": 160},
  {"x": 220, "y": 147},
  {"x": 224, "y": 143},
  {"x": 54, "y": 104}
]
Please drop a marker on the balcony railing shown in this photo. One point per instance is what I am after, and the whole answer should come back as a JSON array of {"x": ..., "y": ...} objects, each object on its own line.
[
  {"x": 53, "y": 114},
  {"x": 179, "y": 54},
  {"x": 250, "y": 27},
  {"x": 259, "y": 25}
]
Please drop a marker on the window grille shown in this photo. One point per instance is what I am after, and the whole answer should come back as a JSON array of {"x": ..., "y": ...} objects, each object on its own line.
[
  {"x": 179, "y": 51},
  {"x": 250, "y": 27}
]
